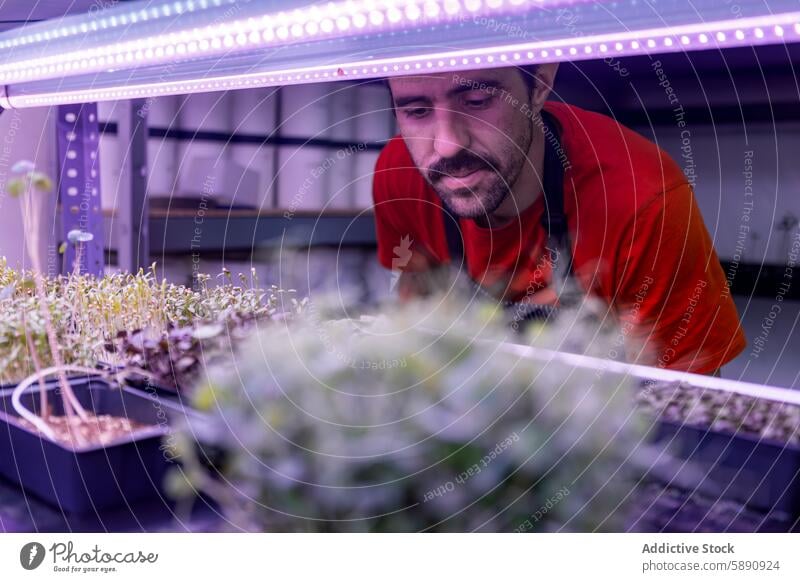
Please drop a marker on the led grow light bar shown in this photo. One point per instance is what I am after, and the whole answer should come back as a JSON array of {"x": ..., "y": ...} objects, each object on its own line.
[
  {"x": 157, "y": 40},
  {"x": 130, "y": 59}
]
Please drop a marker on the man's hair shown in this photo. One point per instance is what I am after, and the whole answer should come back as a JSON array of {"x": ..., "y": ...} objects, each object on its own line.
[{"x": 528, "y": 73}]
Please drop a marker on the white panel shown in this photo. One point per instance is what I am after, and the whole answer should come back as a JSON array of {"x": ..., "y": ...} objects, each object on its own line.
[
  {"x": 342, "y": 108},
  {"x": 206, "y": 111},
  {"x": 110, "y": 162},
  {"x": 107, "y": 111},
  {"x": 340, "y": 178},
  {"x": 303, "y": 172},
  {"x": 374, "y": 122},
  {"x": 162, "y": 162},
  {"x": 303, "y": 177},
  {"x": 161, "y": 111},
  {"x": 743, "y": 227},
  {"x": 374, "y": 118},
  {"x": 365, "y": 170},
  {"x": 199, "y": 162},
  {"x": 222, "y": 180},
  {"x": 161, "y": 153},
  {"x": 258, "y": 159},
  {"x": 773, "y": 366},
  {"x": 253, "y": 111},
  {"x": 305, "y": 111}
]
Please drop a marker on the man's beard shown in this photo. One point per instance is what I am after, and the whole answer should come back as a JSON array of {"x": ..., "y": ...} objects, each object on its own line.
[{"x": 484, "y": 200}]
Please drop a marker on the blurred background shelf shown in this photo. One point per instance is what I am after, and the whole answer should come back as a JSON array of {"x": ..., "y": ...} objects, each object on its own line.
[{"x": 175, "y": 231}]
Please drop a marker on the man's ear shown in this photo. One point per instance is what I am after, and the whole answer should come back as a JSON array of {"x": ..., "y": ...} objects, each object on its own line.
[
  {"x": 391, "y": 99},
  {"x": 545, "y": 77}
]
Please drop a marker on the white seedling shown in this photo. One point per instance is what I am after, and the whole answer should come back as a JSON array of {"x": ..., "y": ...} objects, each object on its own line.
[
  {"x": 78, "y": 238},
  {"x": 31, "y": 187}
]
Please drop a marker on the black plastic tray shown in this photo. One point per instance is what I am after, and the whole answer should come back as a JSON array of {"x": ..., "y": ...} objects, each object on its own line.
[
  {"x": 53, "y": 380},
  {"x": 760, "y": 473},
  {"x": 89, "y": 478},
  {"x": 49, "y": 381},
  {"x": 146, "y": 385}
]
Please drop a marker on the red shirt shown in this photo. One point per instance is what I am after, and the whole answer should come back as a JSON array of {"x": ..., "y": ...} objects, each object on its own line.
[{"x": 637, "y": 236}]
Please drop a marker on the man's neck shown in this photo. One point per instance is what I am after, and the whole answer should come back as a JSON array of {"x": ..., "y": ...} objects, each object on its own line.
[{"x": 525, "y": 191}]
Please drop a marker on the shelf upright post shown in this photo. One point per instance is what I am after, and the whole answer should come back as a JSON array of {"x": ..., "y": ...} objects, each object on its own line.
[
  {"x": 132, "y": 217},
  {"x": 77, "y": 136}
]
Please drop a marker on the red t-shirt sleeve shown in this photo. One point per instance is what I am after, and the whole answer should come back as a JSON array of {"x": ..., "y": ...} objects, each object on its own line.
[
  {"x": 387, "y": 234},
  {"x": 403, "y": 230},
  {"x": 673, "y": 300}
]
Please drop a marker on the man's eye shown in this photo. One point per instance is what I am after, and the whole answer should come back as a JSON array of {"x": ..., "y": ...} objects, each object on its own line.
[
  {"x": 478, "y": 103},
  {"x": 416, "y": 112}
]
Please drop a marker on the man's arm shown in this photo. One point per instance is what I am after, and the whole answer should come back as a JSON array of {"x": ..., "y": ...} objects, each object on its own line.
[
  {"x": 672, "y": 293},
  {"x": 415, "y": 271}
]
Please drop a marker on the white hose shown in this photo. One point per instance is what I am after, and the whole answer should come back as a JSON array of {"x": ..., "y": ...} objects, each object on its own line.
[{"x": 36, "y": 420}]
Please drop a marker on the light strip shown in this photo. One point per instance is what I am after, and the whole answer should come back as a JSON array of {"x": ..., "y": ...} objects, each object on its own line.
[
  {"x": 337, "y": 20},
  {"x": 736, "y": 32},
  {"x": 776, "y": 394}
]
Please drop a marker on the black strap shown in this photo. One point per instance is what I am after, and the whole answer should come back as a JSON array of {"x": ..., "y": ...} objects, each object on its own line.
[
  {"x": 455, "y": 241},
  {"x": 554, "y": 219}
]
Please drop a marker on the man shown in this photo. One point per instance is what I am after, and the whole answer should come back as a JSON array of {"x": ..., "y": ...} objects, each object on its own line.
[{"x": 472, "y": 151}]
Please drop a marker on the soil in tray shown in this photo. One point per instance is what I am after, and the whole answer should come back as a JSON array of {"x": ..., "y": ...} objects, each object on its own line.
[
  {"x": 98, "y": 430},
  {"x": 722, "y": 411}
]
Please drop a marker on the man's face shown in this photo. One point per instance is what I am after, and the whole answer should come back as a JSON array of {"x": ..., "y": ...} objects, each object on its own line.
[{"x": 468, "y": 133}]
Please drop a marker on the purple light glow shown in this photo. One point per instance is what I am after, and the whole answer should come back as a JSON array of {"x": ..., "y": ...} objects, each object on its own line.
[
  {"x": 736, "y": 32},
  {"x": 267, "y": 30}
]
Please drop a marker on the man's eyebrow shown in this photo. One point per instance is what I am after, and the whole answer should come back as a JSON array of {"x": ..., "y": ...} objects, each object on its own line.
[
  {"x": 466, "y": 86},
  {"x": 403, "y": 101}
]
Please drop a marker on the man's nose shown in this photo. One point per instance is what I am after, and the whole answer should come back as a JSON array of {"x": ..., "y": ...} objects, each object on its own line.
[{"x": 452, "y": 134}]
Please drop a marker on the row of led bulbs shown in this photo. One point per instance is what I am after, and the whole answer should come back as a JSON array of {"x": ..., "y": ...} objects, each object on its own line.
[
  {"x": 103, "y": 23},
  {"x": 335, "y": 19},
  {"x": 183, "y": 48},
  {"x": 399, "y": 66}
]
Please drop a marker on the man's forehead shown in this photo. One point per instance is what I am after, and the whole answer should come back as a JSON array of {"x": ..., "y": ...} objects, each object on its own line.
[{"x": 440, "y": 83}]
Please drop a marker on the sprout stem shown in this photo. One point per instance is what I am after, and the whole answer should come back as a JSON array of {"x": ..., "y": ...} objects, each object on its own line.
[
  {"x": 43, "y": 404},
  {"x": 31, "y": 216}
]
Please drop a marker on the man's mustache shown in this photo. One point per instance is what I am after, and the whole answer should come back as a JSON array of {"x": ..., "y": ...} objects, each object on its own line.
[{"x": 461, "y": 164}]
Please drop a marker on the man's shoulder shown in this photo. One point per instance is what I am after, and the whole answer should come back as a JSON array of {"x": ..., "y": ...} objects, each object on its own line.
[
  {"x": 608, "y": 156},
  {"x": 394, "y": 154},
  {"x": 396, "y": 160},
  {"x": 396, "y": 175}
]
